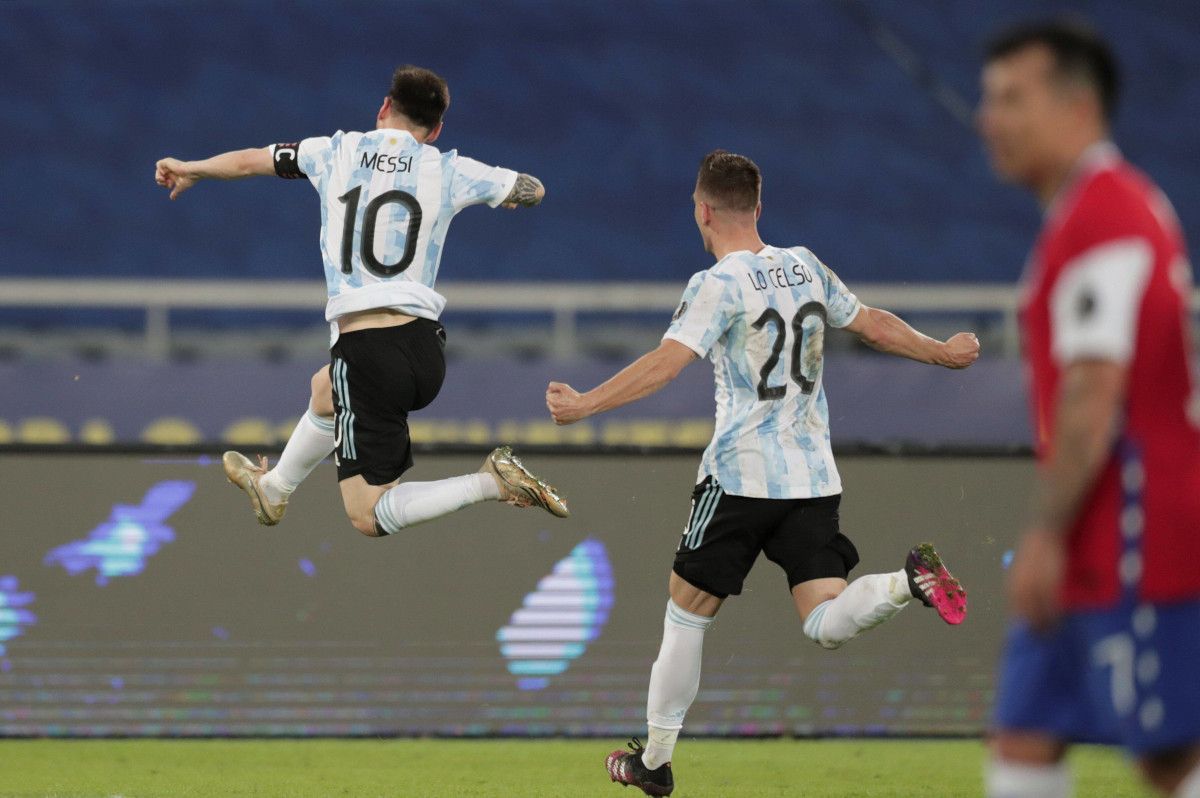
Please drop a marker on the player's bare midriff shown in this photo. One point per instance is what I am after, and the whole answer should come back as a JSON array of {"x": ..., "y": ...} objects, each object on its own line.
[{"x": 368, "y": 319}]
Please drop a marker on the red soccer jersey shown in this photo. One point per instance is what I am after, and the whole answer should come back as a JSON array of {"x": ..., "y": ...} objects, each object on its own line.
[{"x": 1109, "y": 279}]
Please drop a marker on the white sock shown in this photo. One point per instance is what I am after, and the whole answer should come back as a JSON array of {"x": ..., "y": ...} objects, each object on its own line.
[
  {"x": 411, "y": 503},
  {"x": 865, "y": 603},
  {"x": 311, "y": 442},
  {"x": 660, "y": 746},
  {"x": 674, "y": 680},
  {"x": 1012, "y": 780},
  {"x": 1190, "y": 786}
]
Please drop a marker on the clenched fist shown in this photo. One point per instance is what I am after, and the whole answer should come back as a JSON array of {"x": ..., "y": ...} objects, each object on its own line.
[
  {"x": 175, "y": 175},
  {"x": 960, "y": 351},
  {"x": 565, "y": 404}
]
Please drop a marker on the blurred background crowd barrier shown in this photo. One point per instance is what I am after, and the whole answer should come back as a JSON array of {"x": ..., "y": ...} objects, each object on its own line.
[{"x": 127, "y": 318}]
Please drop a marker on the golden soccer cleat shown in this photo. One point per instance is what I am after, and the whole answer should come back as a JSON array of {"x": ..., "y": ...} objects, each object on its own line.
[
  {"x": 520, "y": 488},
  {"x": 242, "y": 472}
]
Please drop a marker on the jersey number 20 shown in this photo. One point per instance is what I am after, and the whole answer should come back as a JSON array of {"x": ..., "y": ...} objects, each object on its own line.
[
  {"x": 367, "y": 244},
  {"x": 772, "y": 316}
]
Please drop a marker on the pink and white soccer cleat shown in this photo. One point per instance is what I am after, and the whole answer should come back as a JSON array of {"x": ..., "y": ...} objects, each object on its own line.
[{"x": 930, "y": 581}]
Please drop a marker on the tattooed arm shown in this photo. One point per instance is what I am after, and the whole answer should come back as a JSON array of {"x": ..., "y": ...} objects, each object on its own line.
[{"x": 527, "y": 192}]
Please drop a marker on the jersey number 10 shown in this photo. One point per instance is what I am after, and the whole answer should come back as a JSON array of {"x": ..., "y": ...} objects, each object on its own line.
[
  {"x": 367, "y": 244},
  {"x": 800, "y": 357}
]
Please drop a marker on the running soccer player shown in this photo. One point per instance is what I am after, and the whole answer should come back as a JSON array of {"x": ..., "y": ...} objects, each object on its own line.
[
  {"x": 767, "y": 482},
  {"x": 1106, "y": 644},
  {"x": 387, "y": 198}
]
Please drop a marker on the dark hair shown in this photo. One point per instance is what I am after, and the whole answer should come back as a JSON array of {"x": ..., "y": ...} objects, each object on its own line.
[
  {"x": 419, "y": 94},
  {"x": 1079, "y": 54},
  {"x": 732, "y": 180}
]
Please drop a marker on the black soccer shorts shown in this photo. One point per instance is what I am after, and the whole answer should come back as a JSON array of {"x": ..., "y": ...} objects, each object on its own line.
[
  {"x": 725, "y": 533},
  {"x": 379, "y": 376}
]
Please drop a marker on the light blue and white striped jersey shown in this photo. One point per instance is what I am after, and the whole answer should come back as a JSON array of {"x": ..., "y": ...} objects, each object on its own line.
[
  {"x": 761, "y": 319},
  {"x": 386, "y": 204}
]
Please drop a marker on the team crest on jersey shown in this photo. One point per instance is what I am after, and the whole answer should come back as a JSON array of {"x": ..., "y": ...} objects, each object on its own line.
[
  {"x": 679, "y": 311},
  {"x": 1087, "y": 304}
]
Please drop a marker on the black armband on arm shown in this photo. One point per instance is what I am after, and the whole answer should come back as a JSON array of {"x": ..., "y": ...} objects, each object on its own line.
[{"x": 287, "y": 163}]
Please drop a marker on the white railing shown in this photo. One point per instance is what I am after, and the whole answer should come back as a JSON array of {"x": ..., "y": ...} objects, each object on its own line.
[{"x": 563, "y": 301}]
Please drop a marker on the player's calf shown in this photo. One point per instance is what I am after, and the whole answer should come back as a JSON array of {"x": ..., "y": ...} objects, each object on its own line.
[
  {"x": 367, "y": 524},
  {"x": 863, "y": 604},
  {"x": 360, "y": 500}
]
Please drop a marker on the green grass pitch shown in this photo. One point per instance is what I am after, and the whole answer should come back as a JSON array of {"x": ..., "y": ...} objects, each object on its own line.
[{"x": 516, "y": 769}]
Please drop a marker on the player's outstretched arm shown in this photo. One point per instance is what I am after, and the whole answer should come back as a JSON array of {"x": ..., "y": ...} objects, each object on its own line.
[
  {"x": 642, "y": 377},
  {"x": 526, "y": 192},
  {"x": 179, "y": 175},
  {"x": 888, "y": 333}
]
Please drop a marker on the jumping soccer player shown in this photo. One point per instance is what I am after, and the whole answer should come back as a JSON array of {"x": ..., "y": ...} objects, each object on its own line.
[
  {"x": 767, "y": 482},
  {"x": 1104, "y": 585},
  {"x": 387, "y": 198}
]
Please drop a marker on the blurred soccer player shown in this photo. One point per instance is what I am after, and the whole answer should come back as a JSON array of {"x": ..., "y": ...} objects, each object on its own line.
[
  {"x": 1105, "y": 583},
  {"x": 387, "y": 198},
  {"x": 767, "y": 482}
]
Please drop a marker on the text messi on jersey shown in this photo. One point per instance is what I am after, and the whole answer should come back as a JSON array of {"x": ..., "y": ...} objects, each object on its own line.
[{"x": 386, "y": 164}]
